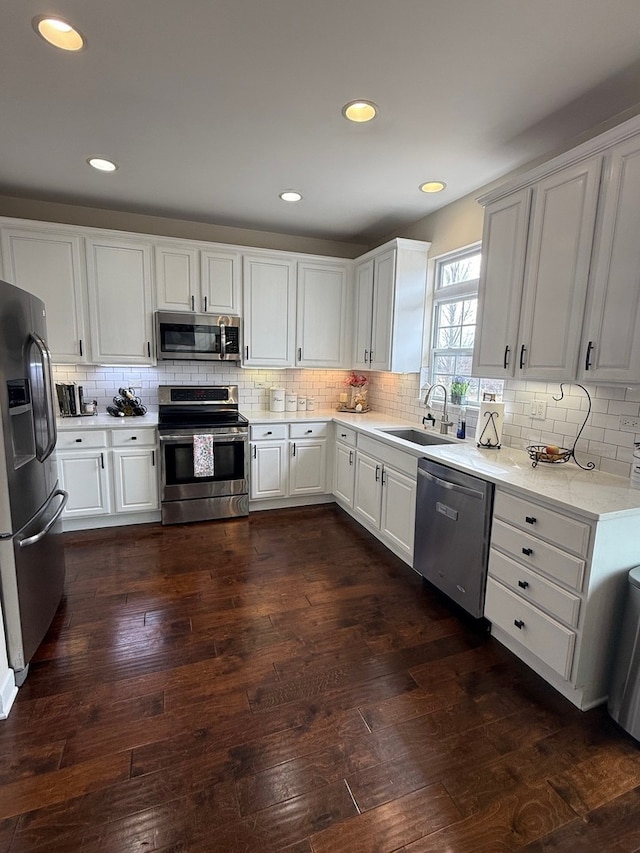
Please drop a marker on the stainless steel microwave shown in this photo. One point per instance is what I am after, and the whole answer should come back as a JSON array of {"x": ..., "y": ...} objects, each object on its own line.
[{"x": 199, "y": 337}]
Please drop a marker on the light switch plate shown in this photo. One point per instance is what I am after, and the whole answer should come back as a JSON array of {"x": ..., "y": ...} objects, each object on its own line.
[{"x": 538, "y": 410}]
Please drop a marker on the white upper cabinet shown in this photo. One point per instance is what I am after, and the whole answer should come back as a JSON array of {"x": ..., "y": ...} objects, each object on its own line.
[
  {"x": 611, "y": 340},
  {"x": 50, "y": 265},
  {"x": 192, "y": 278},
  {"x": 269, "y": 299},
  {"x": 536, "y": 259},
  {"x": 504, "y": 245},
  {"x": 120, "y": 301},
  {"x": 390, "y": 289},
  {"x": 323, "y": 315}
]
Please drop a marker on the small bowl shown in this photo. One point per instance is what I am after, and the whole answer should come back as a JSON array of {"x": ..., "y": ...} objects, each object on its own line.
[{"x": 538, "y": 453}]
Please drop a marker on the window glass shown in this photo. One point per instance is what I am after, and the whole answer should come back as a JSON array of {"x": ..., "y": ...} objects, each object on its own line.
[{"x": 455, "y": 307}]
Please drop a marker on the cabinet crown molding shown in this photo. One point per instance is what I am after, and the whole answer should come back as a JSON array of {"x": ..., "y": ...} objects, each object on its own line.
[{"x": 597, "y": 145}]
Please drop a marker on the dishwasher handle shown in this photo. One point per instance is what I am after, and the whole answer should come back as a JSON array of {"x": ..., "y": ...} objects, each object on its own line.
[{"x": 454, "y": 487}]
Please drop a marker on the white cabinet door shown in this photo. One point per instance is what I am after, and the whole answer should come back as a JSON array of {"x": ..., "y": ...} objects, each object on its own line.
[
  {"x": 390, "y": 290},
  {"x": 220, "y": 273},
  {"x": 344, "y": 473},
  {"x": 368, "y": 493},
  {"x": 49, "y": 265},
  {"x": 504, "y": 244},
  {"x": 269, "y": 311},
  {"x": 135, "y": 480},
  {"x": 558, "y": 259},
  {"x": 120, "y": 301},
  {"x": 268, "y": 469},
  {"x": 307, "y": 467},
  {"x": 176, "y": 270},
  {"x": 611, "y": 341},
  {"x": 363, "y": 314},
  {"x": 323, "y": 315},
  {"x": 398, "y": 509},
  {"x": 384, "y": 281},
  {"x": 84, "y": 476}
]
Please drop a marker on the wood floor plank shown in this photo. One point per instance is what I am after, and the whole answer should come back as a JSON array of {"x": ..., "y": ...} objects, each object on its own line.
[{"x": 283, "y": 683}]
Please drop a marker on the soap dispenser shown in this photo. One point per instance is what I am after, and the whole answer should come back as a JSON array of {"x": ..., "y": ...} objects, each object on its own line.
[{"x": 461, "y": 432}]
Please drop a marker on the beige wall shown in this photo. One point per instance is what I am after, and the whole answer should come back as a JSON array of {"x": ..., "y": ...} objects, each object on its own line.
[{"x": 48, "y": 211}]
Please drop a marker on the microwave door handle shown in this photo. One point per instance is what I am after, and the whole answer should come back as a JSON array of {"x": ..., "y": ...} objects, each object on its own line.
[
  {"x": 223, "y": 341},
  {"x": 50, "y": 415}
]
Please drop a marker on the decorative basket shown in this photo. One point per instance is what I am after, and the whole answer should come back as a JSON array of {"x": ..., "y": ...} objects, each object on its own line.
[{"x": 538, "y": 453}]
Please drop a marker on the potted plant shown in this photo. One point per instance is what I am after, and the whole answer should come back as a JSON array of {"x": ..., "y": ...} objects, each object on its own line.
[{"x": 458, "y": 391}]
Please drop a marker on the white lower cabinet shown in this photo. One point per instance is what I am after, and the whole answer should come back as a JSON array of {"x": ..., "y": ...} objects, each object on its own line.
[
  {"x": 344, "y": 465},
  {"x": 110, "y": 472},
  {"x": 385, "y": 494},
  {"x": 288, "y": 460},
  {"x": 556, "y": 581}
]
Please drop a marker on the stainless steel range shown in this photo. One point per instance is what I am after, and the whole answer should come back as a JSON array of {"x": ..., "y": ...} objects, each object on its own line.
[{"x": 204, "y": 451}]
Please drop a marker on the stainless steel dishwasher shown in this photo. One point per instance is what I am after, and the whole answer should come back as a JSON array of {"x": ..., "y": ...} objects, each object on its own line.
[{"x": 453, "y": 525}]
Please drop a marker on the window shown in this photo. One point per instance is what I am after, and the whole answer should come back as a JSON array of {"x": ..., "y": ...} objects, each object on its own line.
[{"x": 455, "y": 305}]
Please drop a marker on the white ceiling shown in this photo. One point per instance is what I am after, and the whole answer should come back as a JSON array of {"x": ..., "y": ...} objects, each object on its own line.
[{"x": 211, "y": 107}]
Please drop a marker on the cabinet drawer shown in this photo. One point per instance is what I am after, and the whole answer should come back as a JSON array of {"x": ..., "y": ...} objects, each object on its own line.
[
  {"x": 268, "y": 431},
  {"x": 556, "y": 601},
  {"x": 133, "y": 437},
  {"x": 551, "y": 525},
  {"x": 81, "y": 438},
  {"x": 308, "y": 430},
  {"x": 346, "y": 435},
  {"x": 539, "y": 633},
  {"x": 539, "y": 555}
]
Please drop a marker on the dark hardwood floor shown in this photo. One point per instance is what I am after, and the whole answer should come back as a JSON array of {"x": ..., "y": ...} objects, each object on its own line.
[{"x": 283, "y": 683}]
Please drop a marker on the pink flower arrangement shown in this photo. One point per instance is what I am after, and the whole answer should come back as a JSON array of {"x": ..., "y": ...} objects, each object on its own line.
[{"x": 356, "y": 380}]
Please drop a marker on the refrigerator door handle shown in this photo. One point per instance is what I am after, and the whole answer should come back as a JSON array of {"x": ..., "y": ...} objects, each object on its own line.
[
  {"x": 50, "y": 414},
  {"x": 31, "y": 540}
]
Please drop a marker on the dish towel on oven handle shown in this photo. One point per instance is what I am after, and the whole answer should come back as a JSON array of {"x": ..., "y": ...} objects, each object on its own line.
[{"x": 203, "y": 456}]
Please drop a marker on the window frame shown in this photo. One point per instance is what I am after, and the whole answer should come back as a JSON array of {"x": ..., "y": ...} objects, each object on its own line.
[{"x": 441, "y": 295}]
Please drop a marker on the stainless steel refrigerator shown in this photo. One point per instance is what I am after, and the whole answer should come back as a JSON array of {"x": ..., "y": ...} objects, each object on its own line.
[{"x": 31, "y": 552}]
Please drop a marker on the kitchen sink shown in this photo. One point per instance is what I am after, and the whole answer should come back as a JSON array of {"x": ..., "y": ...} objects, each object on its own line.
[{"x": 419, "y": 436}]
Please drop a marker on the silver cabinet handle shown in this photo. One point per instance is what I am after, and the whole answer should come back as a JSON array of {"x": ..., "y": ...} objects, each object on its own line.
[
  {"x": 365, "y": 355},
  {"x": 351, "y": 457},
  {"x": 377, "y": 473}
]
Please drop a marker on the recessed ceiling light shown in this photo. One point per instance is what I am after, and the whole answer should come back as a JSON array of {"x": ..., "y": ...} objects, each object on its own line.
[
  {"x": 101, "y": 164},
  {"x": 58, "y": 32},
  {"x": 360, "y": 111},
  {"x": 290, "y": 195},
  {"x": 432, "y": 186}
]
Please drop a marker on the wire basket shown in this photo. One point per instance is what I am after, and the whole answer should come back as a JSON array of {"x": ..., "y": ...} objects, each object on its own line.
[{"x": 538, "y": 453}]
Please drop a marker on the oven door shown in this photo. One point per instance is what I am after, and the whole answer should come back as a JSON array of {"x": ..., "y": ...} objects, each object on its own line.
[{"x": 230, "y": 465}]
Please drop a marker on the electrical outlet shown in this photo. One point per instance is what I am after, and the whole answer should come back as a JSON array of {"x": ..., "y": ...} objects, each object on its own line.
[
  {"x": 538, "y": 410},
  {"x": 259, "y": 384},
  {"x": 629, "y": 424}
]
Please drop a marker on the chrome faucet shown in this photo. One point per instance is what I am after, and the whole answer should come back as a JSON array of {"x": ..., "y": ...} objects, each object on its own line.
[{"x": 444, "y": 422}]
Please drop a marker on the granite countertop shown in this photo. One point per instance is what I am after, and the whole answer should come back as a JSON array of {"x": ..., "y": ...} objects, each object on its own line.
[{"x": 593, "y": 494}]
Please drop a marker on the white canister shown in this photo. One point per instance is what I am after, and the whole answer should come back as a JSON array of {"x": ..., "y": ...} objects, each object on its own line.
[
  {"x": 302, "y": 404},
  {"x": 276, "y": 399},
  {"x": 290, "y": 402},
  {"x": 311, "y": 404}
]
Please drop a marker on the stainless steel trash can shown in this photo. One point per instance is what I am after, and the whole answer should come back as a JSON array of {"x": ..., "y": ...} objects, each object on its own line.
[{"x": 624, "y": 692}]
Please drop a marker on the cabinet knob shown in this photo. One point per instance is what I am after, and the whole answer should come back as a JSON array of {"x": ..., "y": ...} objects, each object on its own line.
[
  {"x": 518, "y": 623},
  {"x": 523, "y": 584},
  {"x": 530, "y": 519},
  {"x": 343, "y": 435},
  {"x": 527, "y": 551}
]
